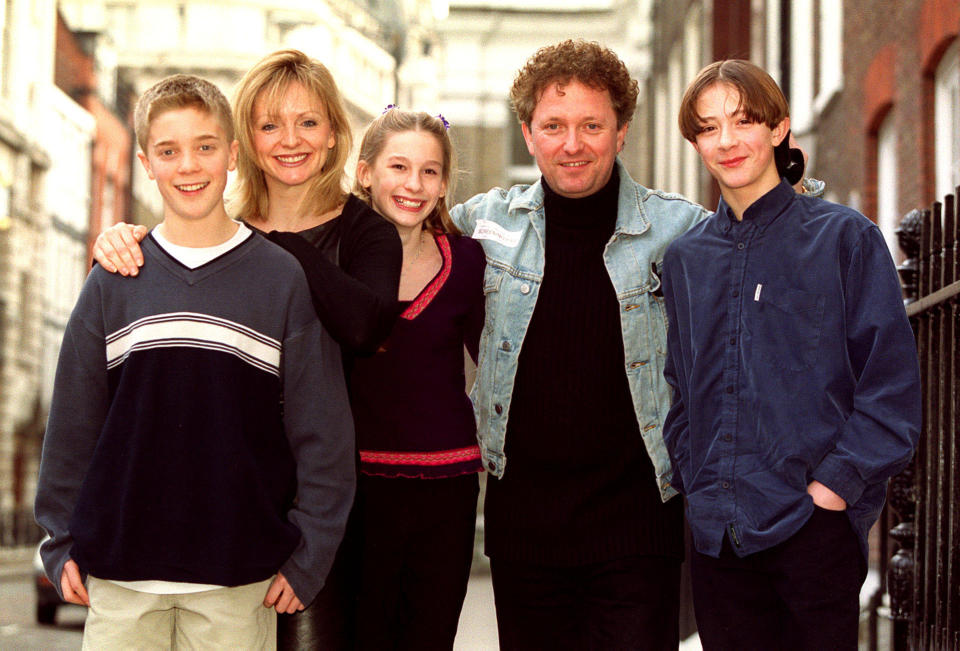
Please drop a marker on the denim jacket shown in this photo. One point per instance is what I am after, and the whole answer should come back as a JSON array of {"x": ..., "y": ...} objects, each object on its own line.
[{"x": 510, "y": 225}]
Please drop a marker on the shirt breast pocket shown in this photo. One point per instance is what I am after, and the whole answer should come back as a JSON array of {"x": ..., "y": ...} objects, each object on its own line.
[{"x": 785, "y": 325}]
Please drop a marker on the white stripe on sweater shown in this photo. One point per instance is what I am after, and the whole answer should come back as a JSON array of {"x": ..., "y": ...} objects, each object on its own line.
[{"x": 194, "y": 330}]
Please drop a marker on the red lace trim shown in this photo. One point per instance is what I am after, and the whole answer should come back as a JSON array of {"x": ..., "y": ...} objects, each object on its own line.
[
  {"x": 421, "y": 458},
  {"x": 420, "y": 303}
]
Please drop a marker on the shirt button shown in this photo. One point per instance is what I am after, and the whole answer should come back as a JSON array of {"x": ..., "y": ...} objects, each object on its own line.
[
  {"x": 740, "y": 246},
  {"x": 730, "y": 389},
  {"x": 524, "y": 288},
  {"x": 736, "y": 293},
  {"x": 733, "y": 341},
  {"x": 728, "y": 437},
  {"x": 725, "y": 484},
  {"x": 505, "y": 346},
  {"x": 498, "y": 409}
]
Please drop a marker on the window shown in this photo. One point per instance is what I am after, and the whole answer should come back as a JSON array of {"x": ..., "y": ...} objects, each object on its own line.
[
  {"x": 887, "y": 212},
  {"x": 947, "y": 122},
  {"x": 830, "y": 68},
  {"x": 522, "y": 166},
  {"x": 689, "y": 182},
  {"x": 801, "y": 91}
]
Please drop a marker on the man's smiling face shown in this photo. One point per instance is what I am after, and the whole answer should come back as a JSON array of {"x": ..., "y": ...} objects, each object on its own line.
[{"x": 574, "y": 137}]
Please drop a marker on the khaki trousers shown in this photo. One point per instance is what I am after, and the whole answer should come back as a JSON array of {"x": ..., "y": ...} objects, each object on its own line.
[{"x": 225, "y": 618}]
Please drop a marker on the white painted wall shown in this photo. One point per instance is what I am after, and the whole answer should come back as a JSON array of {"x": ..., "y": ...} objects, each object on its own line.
[{"x": 70, "y": 132}]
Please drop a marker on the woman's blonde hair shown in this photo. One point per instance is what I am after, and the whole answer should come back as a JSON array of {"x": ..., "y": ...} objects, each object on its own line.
[
  {"x": 394, "y": 121},
  {"x": 270, "y": 78}
]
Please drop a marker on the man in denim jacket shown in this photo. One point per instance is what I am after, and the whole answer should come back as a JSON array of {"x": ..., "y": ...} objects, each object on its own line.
[{"x": 584, "y": 541}]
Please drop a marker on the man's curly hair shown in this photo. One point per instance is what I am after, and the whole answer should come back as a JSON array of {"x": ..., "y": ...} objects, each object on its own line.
[{"x": 585, "y": 61}]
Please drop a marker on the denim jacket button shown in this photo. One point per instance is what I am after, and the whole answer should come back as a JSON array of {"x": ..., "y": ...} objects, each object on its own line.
[
  {"x": 505, "y": 346},
  {"x": 498, "y": 409},
  {"x": 524, "y": 288},
  {"x": 492, "y": 466}
]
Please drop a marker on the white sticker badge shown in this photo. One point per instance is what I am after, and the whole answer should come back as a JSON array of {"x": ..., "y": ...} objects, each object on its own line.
[{"x": 488, "y": 230}]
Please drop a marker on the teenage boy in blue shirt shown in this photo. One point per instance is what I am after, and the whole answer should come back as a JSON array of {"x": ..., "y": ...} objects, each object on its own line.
[
  {"x": 197, "y": 466},
  {"x": 795, "y": 380}
]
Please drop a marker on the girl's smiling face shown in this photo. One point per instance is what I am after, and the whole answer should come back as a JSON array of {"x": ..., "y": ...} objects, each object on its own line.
[{"x": 406, "y": 180}]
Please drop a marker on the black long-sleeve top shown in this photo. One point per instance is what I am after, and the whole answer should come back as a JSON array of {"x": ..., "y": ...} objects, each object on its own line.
[{"x": 352, "y": 264}]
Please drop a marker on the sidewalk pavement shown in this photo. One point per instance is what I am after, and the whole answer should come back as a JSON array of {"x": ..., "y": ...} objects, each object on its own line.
[{"x": 16, "y": 561}]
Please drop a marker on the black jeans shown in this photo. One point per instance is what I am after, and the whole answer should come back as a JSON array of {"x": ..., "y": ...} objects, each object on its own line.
[
  {"x": 800, "y": 594},
  {"x": 626, "y": 603},
  {"x": 415, "y": 555}
]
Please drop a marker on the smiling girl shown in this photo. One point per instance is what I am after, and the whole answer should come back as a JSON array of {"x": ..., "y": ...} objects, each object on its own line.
[{"x": 419, "y": 460}]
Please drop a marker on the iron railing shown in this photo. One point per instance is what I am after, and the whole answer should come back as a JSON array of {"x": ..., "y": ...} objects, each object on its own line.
[{"x": 923, "y": 576}]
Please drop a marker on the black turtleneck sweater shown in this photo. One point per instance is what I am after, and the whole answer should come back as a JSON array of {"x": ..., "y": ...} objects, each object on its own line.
[{"x": 579, "y": 486}]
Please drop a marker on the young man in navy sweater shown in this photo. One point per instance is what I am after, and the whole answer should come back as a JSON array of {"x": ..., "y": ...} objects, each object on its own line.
[
  {"x": 795, "y": 380},
  {"x": 197, "y": 465}
]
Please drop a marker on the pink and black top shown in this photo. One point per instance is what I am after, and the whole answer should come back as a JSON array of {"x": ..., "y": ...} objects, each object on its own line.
[{"x": 412, "y": 415}]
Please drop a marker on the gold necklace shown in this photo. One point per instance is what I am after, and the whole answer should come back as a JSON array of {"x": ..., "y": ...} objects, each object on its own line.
[{"x": 419, "y": 250}]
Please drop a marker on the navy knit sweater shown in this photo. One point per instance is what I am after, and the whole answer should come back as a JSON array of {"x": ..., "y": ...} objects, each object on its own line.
[{"x": 190, "y": 409}]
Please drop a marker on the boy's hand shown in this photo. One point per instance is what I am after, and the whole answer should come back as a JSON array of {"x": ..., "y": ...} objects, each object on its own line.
[
  {"x": 71, "y": 584},
  {"x": 825, "y": 498},
  {"x": 281, "y": 596},
  {"x": 117, "y": 249}
]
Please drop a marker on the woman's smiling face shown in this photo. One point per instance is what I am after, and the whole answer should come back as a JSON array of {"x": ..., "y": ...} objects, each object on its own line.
[{"x": 291, "y": 140}]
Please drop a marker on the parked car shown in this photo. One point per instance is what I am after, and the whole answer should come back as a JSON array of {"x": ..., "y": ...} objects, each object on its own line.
[{"x": 48, "y": 599}]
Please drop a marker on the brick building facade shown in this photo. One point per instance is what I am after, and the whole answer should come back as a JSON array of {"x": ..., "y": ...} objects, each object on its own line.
[{"x": 872, "y": 86}]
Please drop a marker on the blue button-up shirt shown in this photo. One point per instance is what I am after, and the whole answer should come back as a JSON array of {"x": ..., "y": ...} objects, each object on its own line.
[{"x": 792, "y": 360}]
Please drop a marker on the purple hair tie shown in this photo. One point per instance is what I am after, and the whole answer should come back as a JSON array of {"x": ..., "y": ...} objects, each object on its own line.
[
  {"x": 446, "y": 125},
  {"x": 389, "y": 106}
]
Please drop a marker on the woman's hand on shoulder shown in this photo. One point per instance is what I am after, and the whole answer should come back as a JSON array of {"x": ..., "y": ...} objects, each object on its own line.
[{"x": 117, "y": 249}]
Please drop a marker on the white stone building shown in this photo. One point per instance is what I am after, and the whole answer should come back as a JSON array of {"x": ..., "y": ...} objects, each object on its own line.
[{"x": 45, "y": 142}]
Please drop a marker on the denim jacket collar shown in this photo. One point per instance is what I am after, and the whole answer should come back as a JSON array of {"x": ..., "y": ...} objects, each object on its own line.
[{"x": 631, "y": 216}]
